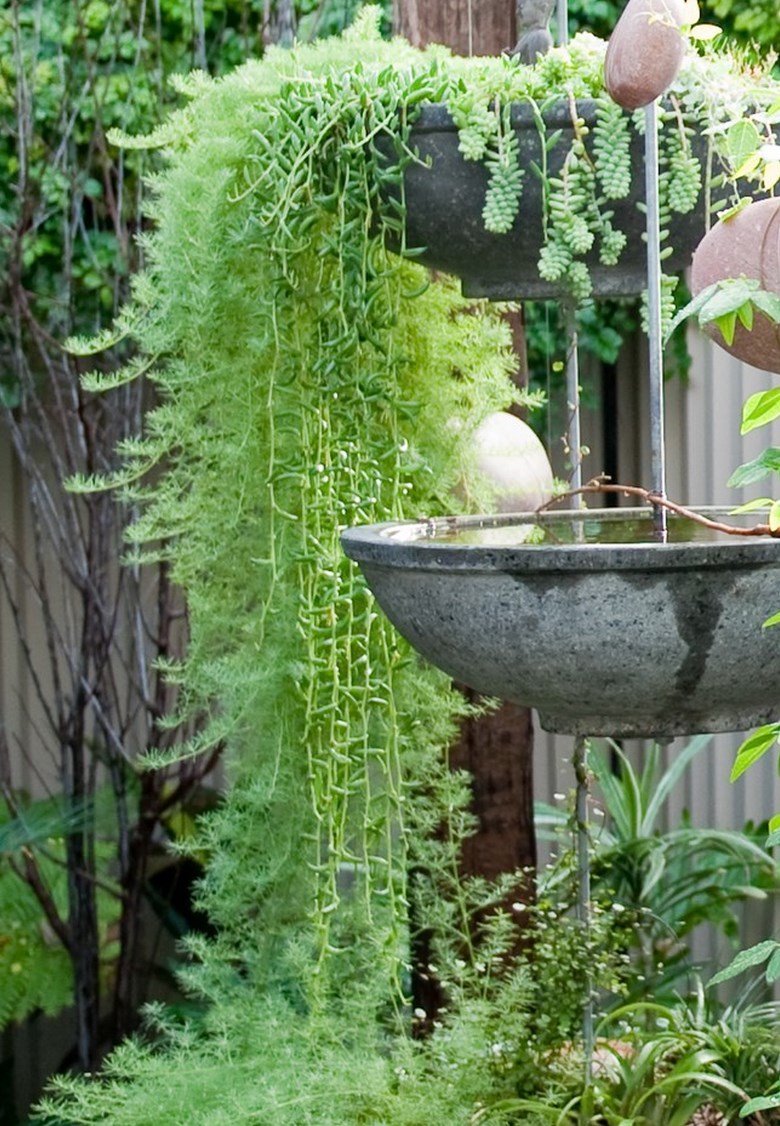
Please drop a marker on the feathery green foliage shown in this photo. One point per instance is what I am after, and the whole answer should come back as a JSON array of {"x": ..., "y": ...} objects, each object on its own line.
[
  {"x": 35, "y": 971},
  {"x": 308, "y": 380}
]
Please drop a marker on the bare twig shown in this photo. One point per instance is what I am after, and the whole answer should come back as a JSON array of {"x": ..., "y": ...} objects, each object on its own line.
[{"x": 602, "y": 484}]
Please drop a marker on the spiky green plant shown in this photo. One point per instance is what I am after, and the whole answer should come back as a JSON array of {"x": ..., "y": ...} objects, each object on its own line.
[{"x": 663, "y": 880}]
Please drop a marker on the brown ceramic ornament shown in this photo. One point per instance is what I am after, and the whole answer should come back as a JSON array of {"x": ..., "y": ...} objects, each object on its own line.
[
  {"x": 747, "y": 244},
  {"x": 644, "y": 52}
]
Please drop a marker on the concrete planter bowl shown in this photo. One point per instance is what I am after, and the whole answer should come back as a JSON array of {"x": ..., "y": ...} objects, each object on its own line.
[
  {"x": 621, "y": 636},
  {"x": 444, "y": 202}
]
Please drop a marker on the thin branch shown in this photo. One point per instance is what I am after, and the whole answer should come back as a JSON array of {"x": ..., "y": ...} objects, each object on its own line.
[
  {"x": 603, "y": 485},
  {"x": 30, "y": 873}
]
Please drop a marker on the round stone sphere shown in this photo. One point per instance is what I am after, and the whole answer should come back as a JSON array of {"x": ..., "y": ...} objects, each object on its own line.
[
  {"x": 747, "y": 244},
  {"x": 644, "y": 52},
  {"x": 514, "y": 461}
]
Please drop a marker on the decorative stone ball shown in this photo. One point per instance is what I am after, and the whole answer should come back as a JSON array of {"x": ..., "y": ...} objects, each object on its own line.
[
  {"x": 513, "y": 459},
  {"x": 747, "y": 244},
  {"x": 644, "y": 52}
]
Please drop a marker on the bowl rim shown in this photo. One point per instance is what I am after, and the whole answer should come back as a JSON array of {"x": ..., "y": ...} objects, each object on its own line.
[{"x": 417, "y": 545}]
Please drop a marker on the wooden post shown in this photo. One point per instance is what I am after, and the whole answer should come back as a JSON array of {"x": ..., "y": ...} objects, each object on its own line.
[
  {"x": 469, "y": 27},
  {"x": 496, "y": 749}
]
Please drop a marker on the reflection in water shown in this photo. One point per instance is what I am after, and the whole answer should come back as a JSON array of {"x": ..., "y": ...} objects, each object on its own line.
[{"x": 605, "y": 526}]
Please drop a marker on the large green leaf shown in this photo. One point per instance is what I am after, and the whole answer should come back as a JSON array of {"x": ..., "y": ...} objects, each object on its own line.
[
  {"x": 760, "y": 409},
  {"x": 671, "y": 776},
  {"x": 742, "y": 139},
  {"x": 767, "y": 462},
  {"x": 746, "y": 959},
  {"x": 754, "y": 747}
]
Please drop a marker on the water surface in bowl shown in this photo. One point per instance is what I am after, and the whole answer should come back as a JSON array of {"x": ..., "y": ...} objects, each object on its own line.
[{"x": 608, "y": 526}]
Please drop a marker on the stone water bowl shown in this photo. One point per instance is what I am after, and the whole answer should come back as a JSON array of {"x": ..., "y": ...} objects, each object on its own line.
[{"x": 615, "y": 635}]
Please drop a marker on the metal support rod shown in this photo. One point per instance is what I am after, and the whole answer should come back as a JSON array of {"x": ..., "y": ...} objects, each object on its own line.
[
  {"x": 582, "y": 777},
  {"x": 658, "y": 464},
  {"x": 573, "y": 430},
  {"x": 562, "y": 17}
]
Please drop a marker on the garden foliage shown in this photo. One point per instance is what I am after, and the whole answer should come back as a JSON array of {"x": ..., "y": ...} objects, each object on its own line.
[{"x": 307, "y": 380}]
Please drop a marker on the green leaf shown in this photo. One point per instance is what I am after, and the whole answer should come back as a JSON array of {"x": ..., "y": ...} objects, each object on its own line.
[
  {"x": 727, "y": 323},
  {"x": 773, "y": 621},
  {"x": 768, "y": 303},
  {"x": 771, "y": 175},
  {"x": 694, "y": 306},
  {"x": 745, "y": 315},
  {"x": 725, "y": 301},
  {"x": 773, "y": 967},
  {"x": 761, "y": 1102},
  {"x": 774, "y": 516},
  {"x": 752, "y": 506},
  {"x": 753, "y": 956},
  {"x": 742, "y": 139},
  {"x": 679, "y": 763},
  {"x": 767, "y": 462},
  {"x": 726, "y": 297},
  {"x": 749, "y": 166},
  {"x": 760, "y": 409},
  {"x": 732, "y": 211},
  {"x": 754, "y": 747}
]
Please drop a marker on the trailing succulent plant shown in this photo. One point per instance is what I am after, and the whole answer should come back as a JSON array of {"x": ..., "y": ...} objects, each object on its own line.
[{"x": 308, "y": 379}]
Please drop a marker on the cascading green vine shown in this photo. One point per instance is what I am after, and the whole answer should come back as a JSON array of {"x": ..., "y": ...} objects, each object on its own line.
[{"x": 305, "y": 379}]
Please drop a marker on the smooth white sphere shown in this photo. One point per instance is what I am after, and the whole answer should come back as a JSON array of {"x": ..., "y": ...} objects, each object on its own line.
[{"x": 515, "y": 462}]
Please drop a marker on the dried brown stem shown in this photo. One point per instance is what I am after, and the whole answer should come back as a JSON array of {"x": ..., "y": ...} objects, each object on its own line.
[
  {"x": 603, "y": 485},
  {"x": 29, "y": 872}
]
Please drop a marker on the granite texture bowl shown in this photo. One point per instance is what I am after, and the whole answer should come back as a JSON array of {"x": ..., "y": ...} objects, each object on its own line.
[{"x": 624, "y": 638}]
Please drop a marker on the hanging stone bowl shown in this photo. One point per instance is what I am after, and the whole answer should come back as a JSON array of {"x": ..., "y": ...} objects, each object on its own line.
[
  {"x": 444, "y": 196},
  {"x": 614, "y": 635}
]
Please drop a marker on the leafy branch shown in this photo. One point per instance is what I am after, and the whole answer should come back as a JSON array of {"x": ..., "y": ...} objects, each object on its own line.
[{"x": 728, "y": 303}]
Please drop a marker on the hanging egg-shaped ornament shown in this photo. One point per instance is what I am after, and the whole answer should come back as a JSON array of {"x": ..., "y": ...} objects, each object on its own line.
[
  {"x": 645, "y": 51},
  {"x": 745, "y": 245},
  {"x": 514, "y": 461}
]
